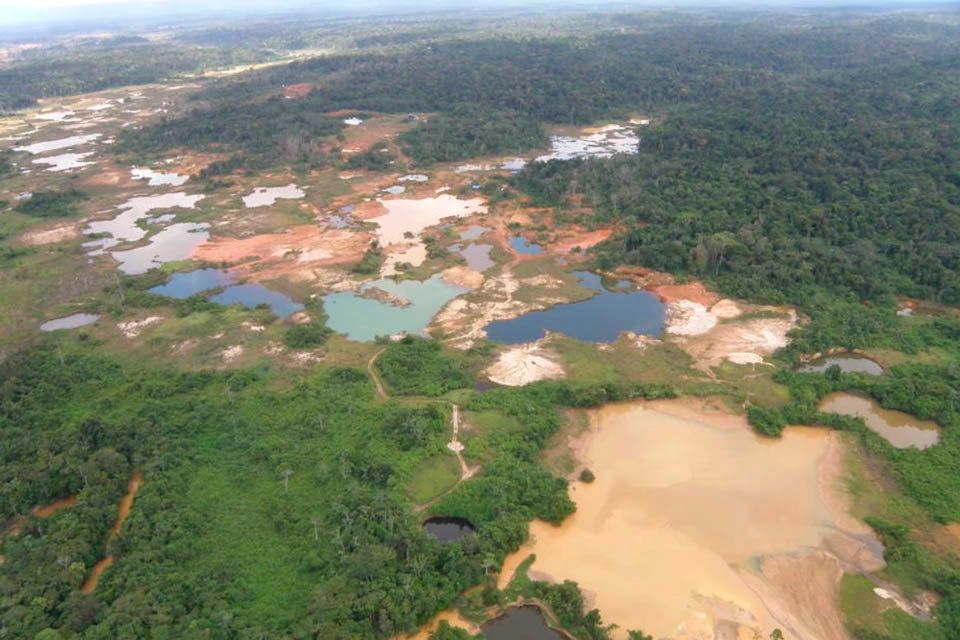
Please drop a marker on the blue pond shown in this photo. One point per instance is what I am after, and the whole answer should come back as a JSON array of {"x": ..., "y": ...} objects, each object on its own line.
[
  {"x": 524, "y": 246},
  {"x": 252, "y": 295},
  {"x": 184, "y": 285},
  {"x": 597, "y": 319}
]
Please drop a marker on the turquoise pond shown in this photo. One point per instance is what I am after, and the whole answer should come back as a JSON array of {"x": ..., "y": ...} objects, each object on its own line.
[
  {"x": 185, "y": 285},
  {"x": 364, "y": 318},
  {"x": 600, "y": 318}
]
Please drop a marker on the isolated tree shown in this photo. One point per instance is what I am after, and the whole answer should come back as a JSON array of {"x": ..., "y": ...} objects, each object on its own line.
[{"x": 286, "y": 479}]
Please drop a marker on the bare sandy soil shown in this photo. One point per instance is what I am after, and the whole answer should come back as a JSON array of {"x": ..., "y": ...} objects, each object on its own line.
[
  {"x": 524, "y": 364},
  {"x": 294, "y": 253},
  {"x": 52, "y": 234}
]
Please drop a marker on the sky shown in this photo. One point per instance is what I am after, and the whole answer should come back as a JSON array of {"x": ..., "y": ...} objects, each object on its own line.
[{"x": 37, "y": 12}]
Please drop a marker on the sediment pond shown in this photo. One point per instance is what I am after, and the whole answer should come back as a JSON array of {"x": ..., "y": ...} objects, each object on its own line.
[
  {"x": 266, "y": 196},
  {"x": 175, "y": 242},
  {"x": 900, "y": 429},
  {"x": 413, "y": 306},
  {"x": 848, "y": 363},
  {"x": 600, "y": 318},
  {"x": 675, "y": 533},
  {"x": 70, "y": 322},
  {"x": 56, "y": 145}
]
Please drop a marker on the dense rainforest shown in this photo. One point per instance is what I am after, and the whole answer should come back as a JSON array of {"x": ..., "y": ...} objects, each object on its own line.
[
  {"x": 63, "y": 72},
  {"x": 331, "y": 556}
]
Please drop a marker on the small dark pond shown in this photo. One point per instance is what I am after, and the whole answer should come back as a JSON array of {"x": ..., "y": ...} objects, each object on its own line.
[
  {"x": 524, "y": 246},
  {"x": 598, "y": 319},
  {"x": 848, "y": 363},
  {"x": 520, "y": 623},
  {"x": 184, "y": 285},
  {"x": 447, "y": 529}
]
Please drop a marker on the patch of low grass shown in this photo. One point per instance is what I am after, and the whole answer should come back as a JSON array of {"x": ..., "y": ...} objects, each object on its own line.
[
  {"x": 433, "y": 477},
  {"x": 861, "y": 607},
  {"x": 753, "y": 384}
]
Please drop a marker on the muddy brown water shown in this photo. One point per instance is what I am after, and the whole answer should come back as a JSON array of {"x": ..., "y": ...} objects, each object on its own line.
[
  {"x": 680, "y": 510},
  {"x": 48, "y": 510},
  {"x": 900, "y": 429},
  {"x": 123, "y": 512}
]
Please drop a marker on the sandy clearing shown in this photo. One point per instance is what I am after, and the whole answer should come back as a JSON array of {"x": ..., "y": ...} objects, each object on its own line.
[
  {"x": 231, "y": 353},
  {"x": 50, "y": 235},
  {"x": 579, "y": 240},
  {"x": 524, "y": 364},
  {"x": 463, "y": 277},
  {"x": 299, "y": 90},
  {"x": 760, "y": 337},
  {"x": 726, "y": 309},
  {"x": 688, "y": 318},
  {"x": 694, "y": 292},
  {"x": 294, "y": 252},
  {"x": 133, "y": 328}
]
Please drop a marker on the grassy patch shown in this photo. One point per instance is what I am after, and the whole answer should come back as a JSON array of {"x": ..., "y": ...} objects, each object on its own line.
[{"x": 432, "y": 477}]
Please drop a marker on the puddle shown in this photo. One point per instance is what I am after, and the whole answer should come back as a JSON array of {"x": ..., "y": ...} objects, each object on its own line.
[
  {"x": 848, "y": 363},
  {"x": 65, "y": 161},
  {"x": 598, "y": 319},
  {"x": 61, "y": 143},
  {"x": 158, "y": 178},
  {"x": 606, "y": 142},
  {"x": 395, "y": 190},
  {"x": 253, "y": 295},
  {"x": 363, "y": 319},
  {"x": 448, "y": 529},
  {"x": 473, "y": 232},
  {"x": 413, "y": 216},
  {"x": 69, "y": 322},
  {"x": 352, "y": 122},
  {"x": 184, "y": 285},
  {"x": 266, "y": 196},
  {"x": 413, "y": 177},
  {"x": 338, "y": 222},
  {"x": 175, "y": 242},
  {"x": 478, "y": 256},
  {"x": 520, "y": 623},
  {"x": 124, "y": 228},
  {"x": 523, "y": 246},
  {"x": 668, "y": 536},
  {"x": 900, "y": 429}
]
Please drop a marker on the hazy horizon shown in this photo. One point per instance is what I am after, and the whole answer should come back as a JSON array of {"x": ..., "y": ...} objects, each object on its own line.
[{"x": 88, "y": 13}]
